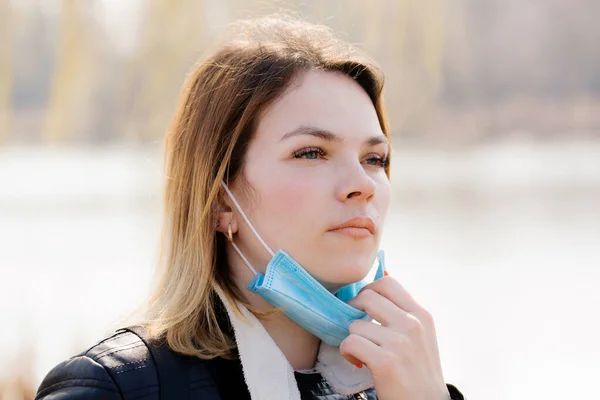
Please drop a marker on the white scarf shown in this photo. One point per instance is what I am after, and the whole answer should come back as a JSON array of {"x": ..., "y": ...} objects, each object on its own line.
[{"x": 269, "y": 375}]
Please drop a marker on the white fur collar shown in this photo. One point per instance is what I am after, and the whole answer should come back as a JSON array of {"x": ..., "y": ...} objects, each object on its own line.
[{"x": 268, "y": 373}]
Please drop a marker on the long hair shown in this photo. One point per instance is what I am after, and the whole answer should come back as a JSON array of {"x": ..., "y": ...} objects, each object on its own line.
[{"x": 222, "y": 100}]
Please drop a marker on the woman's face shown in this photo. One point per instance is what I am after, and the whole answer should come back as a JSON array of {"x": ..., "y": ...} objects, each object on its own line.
[{"x": 315, "y": 163}]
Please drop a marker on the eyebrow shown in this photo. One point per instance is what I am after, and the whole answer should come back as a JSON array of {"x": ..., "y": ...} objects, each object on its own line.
[{"x": 330, "y": 136}]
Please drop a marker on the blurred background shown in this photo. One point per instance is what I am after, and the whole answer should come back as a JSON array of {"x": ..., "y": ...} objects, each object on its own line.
[{"x": 495, "y": 223}]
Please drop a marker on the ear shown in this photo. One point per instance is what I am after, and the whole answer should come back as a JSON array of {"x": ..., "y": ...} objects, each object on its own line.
[{"x": 224, "y": 216}]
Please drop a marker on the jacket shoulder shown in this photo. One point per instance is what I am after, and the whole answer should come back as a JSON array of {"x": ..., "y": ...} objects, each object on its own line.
[{"x": 117, "y": 367}]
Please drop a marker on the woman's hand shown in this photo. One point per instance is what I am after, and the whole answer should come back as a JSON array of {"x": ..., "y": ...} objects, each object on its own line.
[{"x": 401, "y": 353}]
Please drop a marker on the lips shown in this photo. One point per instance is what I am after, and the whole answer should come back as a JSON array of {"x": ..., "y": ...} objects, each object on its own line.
[{"x": 355, "y": 225}]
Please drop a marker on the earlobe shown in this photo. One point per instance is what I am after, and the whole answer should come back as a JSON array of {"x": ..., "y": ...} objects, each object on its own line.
[
  {"x": 225, "y": 219},
  {"x": 225, "y": 222},
  {"x": 222, "y": 219}
]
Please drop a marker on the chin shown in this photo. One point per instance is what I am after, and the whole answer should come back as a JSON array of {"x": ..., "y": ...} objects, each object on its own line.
[
  {"x": 336, "y": 269},
  {"x": 344, "y": 273}
]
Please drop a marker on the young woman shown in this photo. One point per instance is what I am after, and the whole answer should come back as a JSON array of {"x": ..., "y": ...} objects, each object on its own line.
[{"x": 277, "y": 188}]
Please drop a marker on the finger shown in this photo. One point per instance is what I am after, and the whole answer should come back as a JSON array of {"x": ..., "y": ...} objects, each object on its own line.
[
  {"x": 378, "y": 307},
  {"x": 353, "y": 360},
  {"x": 369, "y": 330},
  {"x": 392, "y": 290},
  {"x": 382, "y": 336},
  {"x": 356, "y": 347}
]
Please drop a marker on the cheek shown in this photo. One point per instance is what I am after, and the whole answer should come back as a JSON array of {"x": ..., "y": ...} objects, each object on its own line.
[
  {"x": 295, "y": 194},
  {"x": 290, "y": 199},
  {"x": 383, "y": 199}
]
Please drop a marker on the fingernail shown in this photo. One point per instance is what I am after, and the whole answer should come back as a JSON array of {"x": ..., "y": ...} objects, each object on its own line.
[
  {"x": 359, "y": 365},
  {"x": 385, "y": 273}
]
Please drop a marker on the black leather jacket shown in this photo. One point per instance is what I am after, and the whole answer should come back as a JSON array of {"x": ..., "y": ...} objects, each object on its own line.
[{"x": 122, "y": 366}]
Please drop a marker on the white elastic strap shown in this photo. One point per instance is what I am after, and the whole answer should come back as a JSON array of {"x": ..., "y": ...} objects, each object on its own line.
[
  {"x": 247, "y": 221},
  {"x": 243, "y": 257}
]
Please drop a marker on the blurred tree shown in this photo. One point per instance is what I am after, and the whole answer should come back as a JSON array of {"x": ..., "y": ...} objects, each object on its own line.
[
  {"x": 57, "y": 126},
  {"x": 477, "y": 53},
  {"x": 172, "y": 35},
  {"x": 412, "y": 32},
  {"x": 98, "y": 85},
  {"x": 5, "y": 69},
  {"x": 34, "y": 35},
  {"x": 82, "y": 82}
]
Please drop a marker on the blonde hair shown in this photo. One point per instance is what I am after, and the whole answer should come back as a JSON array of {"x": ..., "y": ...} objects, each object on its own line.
[{"x": 221, "y": 103}]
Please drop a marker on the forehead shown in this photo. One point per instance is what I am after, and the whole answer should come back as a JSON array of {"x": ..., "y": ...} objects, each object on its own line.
[{"x": 328, "y": 100}]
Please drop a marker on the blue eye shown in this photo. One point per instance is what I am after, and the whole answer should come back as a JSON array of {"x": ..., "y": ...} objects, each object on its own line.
[
  {"x": 378, "y": 161},
  {"x": 309, "y": 153}
]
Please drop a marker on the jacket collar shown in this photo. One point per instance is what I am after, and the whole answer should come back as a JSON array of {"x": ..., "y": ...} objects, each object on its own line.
[{"x": 267, "y": 372}]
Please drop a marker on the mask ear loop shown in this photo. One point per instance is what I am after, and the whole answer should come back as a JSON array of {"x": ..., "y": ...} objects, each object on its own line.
[
  {"x": 246, "y": 219},
  {"x": 237, "y": 249}
]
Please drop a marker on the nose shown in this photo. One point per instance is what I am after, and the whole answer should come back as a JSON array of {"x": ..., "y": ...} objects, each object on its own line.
[{"x": 354, "y": 183}]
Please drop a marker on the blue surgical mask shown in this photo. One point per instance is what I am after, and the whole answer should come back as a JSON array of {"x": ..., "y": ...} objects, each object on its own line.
[{"x": 301, "y": 297}]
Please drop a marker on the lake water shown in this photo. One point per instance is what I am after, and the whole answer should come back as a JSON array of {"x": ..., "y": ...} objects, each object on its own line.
[{"x": 500, "y": 242}]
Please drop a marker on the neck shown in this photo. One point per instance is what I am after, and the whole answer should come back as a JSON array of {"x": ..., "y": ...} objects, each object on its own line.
[{"x": 298, "y": 345}]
